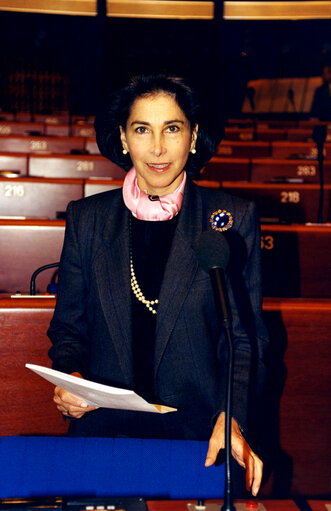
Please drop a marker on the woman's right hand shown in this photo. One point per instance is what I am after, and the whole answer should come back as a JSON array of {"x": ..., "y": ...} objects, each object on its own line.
[{"x": 69, "y": 404}]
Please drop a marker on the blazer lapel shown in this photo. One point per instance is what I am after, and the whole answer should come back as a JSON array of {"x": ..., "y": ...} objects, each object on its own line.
[
  {"x": 180, "y": 269},
  {"x": 112, "y": 272}
]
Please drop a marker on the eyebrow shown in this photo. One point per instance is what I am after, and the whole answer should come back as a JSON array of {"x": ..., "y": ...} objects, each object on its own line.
[{"x": 166, "y": 123}]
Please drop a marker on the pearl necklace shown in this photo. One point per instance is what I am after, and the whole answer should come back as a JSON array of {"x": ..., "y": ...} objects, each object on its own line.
[{"x": 138, "y": 292}]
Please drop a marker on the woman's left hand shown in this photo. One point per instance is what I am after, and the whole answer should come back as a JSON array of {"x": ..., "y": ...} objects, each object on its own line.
[{"x": 240, "y": 450}]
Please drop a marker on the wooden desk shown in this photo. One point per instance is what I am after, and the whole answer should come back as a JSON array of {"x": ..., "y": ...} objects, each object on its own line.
[
  {"x": 223, "y": 169},
  {"x": 265, "y": 169},
  {"x": 38, "y": 197},
  {"x": 14, "y": 161},
  {"x": 21, "y": 128},
  {"x": 25, "y": 246},
  {"x": 296, "y": 260},
  {"x": 234, "y": 149},
  {"x": 27, "y": 399},
  {"x": 289, "y": 149},
  {"x": 73, "y": 166},
  {"x": 24, "y": 144},
  {"x": 290, "y": 203}
]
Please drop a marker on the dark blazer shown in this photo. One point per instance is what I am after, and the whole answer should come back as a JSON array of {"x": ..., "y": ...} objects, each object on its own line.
[{"x": 91, "y": 327}]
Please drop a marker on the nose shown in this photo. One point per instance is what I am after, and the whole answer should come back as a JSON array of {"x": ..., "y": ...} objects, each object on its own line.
[{"x": 158, "y": 147}]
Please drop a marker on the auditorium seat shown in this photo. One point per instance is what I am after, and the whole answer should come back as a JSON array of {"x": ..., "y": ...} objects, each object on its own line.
[
  {"x": 297, "y": 150},
  {"x": 21, "y": 128},
  {"x": 234, "y": 149},
  {"x": 25, "y": 246},
  {"x": 296, "y": 261},
  {"x": 227, "y": 169},
  {"x": 268, "y": 169},
  {"x": 76, "y": 166},
  {"x": 283, "y": 202},
  {"x": 17, "y": 162},
  {"x": 38, "y": 197},
  {"x": 24, "y": 144}
]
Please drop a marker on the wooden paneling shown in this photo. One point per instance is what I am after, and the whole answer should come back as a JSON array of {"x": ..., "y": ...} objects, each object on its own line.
[{"x": 296, "y": 260}]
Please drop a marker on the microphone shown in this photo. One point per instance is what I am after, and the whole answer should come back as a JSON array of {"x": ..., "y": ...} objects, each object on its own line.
[
  {"x": 250, "y": 93},
  {"x": 213, "y": 254},
  {"x": 35, "y": 273},
  {"x": 290, "y": 96}
]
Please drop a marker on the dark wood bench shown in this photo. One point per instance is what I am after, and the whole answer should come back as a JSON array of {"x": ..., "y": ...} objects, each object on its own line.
[{"x": 223, "y": 169}]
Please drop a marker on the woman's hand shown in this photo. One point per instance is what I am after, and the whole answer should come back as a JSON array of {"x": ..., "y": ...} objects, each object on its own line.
[
  {"x": 70, "y": 405},
  {"x": 240, "y": 450}
]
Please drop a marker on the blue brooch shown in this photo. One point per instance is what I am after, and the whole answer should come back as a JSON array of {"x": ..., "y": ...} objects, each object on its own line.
[{"x": 221, "y": 220}]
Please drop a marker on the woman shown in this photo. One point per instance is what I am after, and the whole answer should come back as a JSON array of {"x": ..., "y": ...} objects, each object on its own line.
[{"x": 134, "y": 309}]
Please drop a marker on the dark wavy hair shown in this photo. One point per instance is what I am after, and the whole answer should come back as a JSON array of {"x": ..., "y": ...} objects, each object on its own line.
[{"x": 117, "y": 111}]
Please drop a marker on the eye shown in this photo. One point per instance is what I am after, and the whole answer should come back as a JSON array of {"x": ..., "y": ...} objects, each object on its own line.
[
  {"x": 141, "y": 129},
  {"x": 173, "y": 128}
]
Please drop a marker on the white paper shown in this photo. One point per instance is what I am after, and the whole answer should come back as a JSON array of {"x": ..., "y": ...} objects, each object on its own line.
[{"x": 96, "y": 394}]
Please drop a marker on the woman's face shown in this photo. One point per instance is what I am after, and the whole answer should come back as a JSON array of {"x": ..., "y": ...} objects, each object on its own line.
[{"x": 158, "y": 137}]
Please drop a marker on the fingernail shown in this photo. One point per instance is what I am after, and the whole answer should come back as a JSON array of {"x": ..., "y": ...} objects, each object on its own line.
[{"x": 84, "y": 405}]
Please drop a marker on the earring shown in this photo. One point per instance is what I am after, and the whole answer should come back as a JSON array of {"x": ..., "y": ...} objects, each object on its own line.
[
  {"x": 125, "y": 151},
  {"x": 193, "y": 151}
]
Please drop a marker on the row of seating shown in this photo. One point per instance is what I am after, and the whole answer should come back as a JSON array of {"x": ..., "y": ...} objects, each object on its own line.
[
  {"x": 295, "y": 258},
  {"x": 269, "y": 134},
  {"x": 61, "y": 118},
  {"x": 47, "y": 197},
  {"x": 48, "y": 129},
  {"x": 249, "y": 122},
  {"x": 219, "y": 168},
  {"x": 39, "y": 144},
  {"x": 227, "y": 148},
  {"x": 279, "y": 149},
  {"x": 87, "y": 130}
]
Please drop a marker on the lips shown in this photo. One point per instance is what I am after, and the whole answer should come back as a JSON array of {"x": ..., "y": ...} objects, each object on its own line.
[{"x": 158, "y": 167}]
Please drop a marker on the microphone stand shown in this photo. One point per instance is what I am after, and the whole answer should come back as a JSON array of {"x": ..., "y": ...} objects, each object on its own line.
[
  {"x": 319, "y": 137},
  {"x": 221, "y": 300},
  {"x": 35, "y": 273}
]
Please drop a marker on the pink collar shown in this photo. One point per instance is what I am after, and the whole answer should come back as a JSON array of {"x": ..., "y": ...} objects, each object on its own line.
[{"x": 151, "y": 207}]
